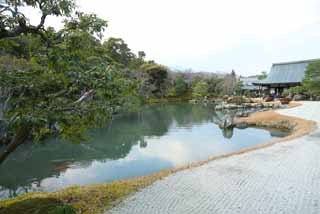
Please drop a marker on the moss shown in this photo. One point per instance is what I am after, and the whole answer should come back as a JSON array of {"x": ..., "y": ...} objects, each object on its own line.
[
  {"x": 39, "y": 205},
  {"x": 92, "y": 199}
]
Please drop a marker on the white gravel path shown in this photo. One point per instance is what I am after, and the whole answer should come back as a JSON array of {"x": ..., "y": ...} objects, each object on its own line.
[{"x": 283, "y": 178}]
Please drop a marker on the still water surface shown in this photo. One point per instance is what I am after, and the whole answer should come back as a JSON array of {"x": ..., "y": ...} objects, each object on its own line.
[{"x": 155, "y": 138}]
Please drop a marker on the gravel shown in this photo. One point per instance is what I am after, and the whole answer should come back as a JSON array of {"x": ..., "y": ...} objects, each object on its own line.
[{"x": 283, "y": 178}]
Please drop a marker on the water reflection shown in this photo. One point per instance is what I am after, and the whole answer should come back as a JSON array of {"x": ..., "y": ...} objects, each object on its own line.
[
  {"x": 227, "y": 132},
  {"x": 157, "y": 137}
]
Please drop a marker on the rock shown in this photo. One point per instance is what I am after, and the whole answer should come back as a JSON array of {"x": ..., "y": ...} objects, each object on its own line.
[
  {"x": 262, "y": 110},
  {"x": 225, "y": 97},
  {"x": 219, "y": 107},
  {"x": 268, "y": 105},
  {"x": 227, "y": 122},
  {"x": 231, "y": 106},
  {"x": 259, "y": 105},
  {"x": 236, "y": 100},
  {"x": 243, "y": 114},
  {"x": 268, "y": 99},
  {"x": 247, "y": 105},
  {"x": 285, "y": 101},
  {"x": 242, "y": 125},
  {"x": 218, "y": 101},
  {"x": 299, "y": 97},
  {"x": 248, "y": 100}
]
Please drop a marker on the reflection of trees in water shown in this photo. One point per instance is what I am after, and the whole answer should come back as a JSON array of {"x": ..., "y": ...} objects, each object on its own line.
[{"x": 31, "y": 163}]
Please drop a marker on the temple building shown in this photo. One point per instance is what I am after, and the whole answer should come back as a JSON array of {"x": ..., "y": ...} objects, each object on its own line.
[
  {"x": 285, "y": 75},
  {"x": 248, "y": 83}
]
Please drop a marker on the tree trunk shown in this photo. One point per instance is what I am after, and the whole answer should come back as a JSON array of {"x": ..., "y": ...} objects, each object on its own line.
[{"x": 19, "y": 138}]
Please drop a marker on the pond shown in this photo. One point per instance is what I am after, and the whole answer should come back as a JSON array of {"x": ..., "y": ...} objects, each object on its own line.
[{"x": 158, "y": 137}]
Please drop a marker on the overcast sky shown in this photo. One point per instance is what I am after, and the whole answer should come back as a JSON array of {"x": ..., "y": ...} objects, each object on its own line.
[{"x": 210, "y": 35}]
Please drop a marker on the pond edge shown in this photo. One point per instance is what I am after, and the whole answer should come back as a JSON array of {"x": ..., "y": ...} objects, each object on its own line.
[{"x": 99, "y": 198}]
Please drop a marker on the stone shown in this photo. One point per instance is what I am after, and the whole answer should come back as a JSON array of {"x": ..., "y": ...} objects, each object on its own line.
[
  {"x": 242, "y": 125},
  {"x": 218, "y": 101},
  {"x": 247, "y": 105},
  {"x": 285, "y": 101},
  {"x": 266, "y": 105},
  {"x": 299, "y": 97},
  {"x": 236, "y": 100},
  {"x": 231, "y": 106},
  {"x": 227, "y": 122},
  {"x": 259, "y": 105},
  {"x": 268, "y": 99},
  {"x": 219, "y": 107},
  {"x": 248, "y": 100},
  {"x": 243, "y": 114}
]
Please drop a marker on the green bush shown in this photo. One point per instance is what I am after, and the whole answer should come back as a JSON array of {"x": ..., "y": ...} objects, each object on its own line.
[{"x": 200, "y": 90}]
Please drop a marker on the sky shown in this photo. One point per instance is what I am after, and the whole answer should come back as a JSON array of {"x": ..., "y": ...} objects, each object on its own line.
[{"x": 214, "y": 35}]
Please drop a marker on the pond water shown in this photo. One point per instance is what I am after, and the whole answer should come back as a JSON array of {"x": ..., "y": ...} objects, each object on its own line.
[{"x": 157, "y": 137}]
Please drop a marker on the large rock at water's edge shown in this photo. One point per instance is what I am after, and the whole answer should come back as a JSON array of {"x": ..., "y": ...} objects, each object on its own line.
[
  {"x": 238, "y": 100},
  {"x": 227, "y": 122},
  {"x": 242, "y": 114},
  {"x": 242, "y": 125}
]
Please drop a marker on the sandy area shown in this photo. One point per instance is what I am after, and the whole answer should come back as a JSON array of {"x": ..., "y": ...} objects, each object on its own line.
[{"x": 282, "y": 178}]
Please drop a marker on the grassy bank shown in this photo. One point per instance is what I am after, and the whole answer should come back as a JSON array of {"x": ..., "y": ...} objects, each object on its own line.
[{"x": 92, "y": 199}]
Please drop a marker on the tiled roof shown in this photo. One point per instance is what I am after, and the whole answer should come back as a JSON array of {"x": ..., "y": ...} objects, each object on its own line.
[{"x": 286, "y": 72}]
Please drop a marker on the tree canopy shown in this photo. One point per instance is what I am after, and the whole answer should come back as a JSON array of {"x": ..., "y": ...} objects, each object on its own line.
[
  {"x": 200, "y": 89},
  {"x": 156, "y": 80},
  {"x": 312, "y": 78},
  {"x": 13, "y": 22},
  {"x": 263, "y": 75},
  {"x": 57, "y": 82}
]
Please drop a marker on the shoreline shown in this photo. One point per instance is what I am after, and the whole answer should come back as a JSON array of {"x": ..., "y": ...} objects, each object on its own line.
[{"x": 101, "y": 197}]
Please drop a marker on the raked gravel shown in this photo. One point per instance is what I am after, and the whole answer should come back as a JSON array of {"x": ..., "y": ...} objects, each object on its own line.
[{"x": 283, "y": 178}]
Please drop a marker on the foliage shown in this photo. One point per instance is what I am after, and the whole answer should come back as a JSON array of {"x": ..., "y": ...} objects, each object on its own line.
[
  {"x": 58, "y": 83},
  {"x": 180, "y": 86},
  {"x": 118, "y": 51},
  {"x": 263, "y": 75},
  {"x": 238, "y": 87},
  {"x": 311, "y": 83},
  {"x": 13, "y": 22},
  {"x": 295, "y": 90},
  {"x": 48, "y": 102},
  {"x": 230, "y": 83},
  {"x": 157, "y": 76},
  {"x": 200, "y": 89},
  {"x": 215, "y": 86}
]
